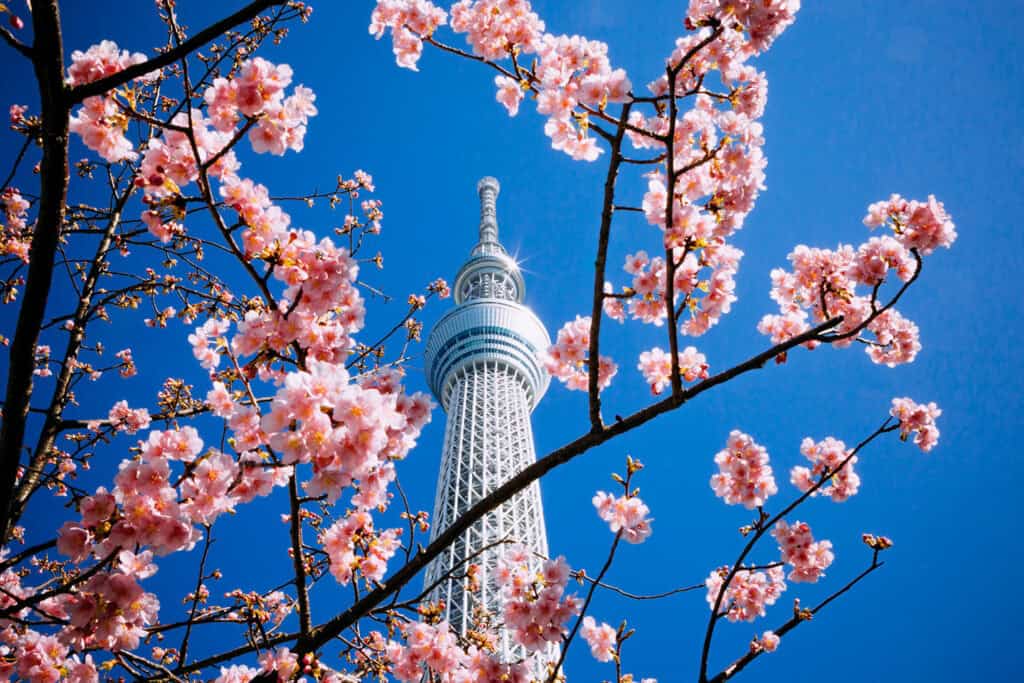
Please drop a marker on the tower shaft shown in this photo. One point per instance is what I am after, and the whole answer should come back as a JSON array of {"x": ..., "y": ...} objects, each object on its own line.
[
  {"x": 488, "y": 439},
  {"x": 482, "y": 364}
]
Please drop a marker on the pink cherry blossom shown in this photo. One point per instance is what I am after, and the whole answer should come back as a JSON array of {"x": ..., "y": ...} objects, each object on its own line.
[
  {"x": 15, "y": 234},
  {"x": 140, "y": 565},
  {"x": 924, "y": 226},
  {"x": 282, "y": 660},
  {"x": 509, "y": 93},
  {"x": 600, "y": 637},
  {"x": 16, "y": 113},
  {"x": 236, "y": 673},
  {"x": 102, "y": 125},
  {"x": 744, "y": 475},
  {"x": 809, "y": 558},
  {"x": 220, "y": 401},
  {"x": 918, "y": 418},
  {"x": 100, "y": 61},
  {"x": 494, "y": 27},
  {"x": 205, "y": 342},
  {"x": 897, "y": 339},
  {"x": 826, "y": 457},
  {"x": 409, "y": 21},
  {"x": 762, "y": 20},
  {"x": 567, "y": 358},
  {"x": 656, "y": 366},
  {"x": 123, "y": 418},
  {"x": 748, "y": 593},
  {"x": 352, "y": 545},
  {"x": 627, "y": 514},
  {"x": 536, "y": 607},
  {"x": 769, "y": 642}
]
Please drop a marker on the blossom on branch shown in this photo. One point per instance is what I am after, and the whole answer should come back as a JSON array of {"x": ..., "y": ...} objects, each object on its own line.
[
  {"x": 744, "y": 475},
  {"x": 918, "y": 418}
]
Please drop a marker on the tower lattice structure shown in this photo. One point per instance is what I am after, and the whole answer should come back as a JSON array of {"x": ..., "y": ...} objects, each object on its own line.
[{"x": 482, "y": 365}]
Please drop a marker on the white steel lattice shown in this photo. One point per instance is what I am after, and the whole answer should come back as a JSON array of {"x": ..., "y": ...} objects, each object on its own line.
[
  {"x": 481, "y": 362},
  {"x": 488, "y": 439}
]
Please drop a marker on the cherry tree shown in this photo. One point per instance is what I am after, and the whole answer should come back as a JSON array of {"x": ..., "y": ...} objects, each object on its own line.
[{"x": 297, "y": 407}]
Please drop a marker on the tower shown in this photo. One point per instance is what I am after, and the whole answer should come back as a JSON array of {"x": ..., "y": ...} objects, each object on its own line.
[{"x": 482, "y": 365}]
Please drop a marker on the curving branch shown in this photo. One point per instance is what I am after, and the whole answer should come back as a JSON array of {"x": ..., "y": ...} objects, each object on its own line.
[
  {"x": 338, "y": 624},
  {"x": 180, "y": 51}
]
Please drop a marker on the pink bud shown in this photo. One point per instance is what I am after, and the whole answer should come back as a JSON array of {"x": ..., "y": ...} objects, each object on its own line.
[{"x": 16, "y": 22}]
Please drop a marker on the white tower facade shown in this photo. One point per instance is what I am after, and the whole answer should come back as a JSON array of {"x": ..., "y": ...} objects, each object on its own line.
[{"x": 482, "y": 365}]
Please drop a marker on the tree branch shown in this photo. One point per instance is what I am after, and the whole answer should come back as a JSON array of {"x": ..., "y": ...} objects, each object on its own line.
[
  {"x": 79, "y": 93},
  {"x": 54, "y": 176},
  {"x": 325, "y": 632}
]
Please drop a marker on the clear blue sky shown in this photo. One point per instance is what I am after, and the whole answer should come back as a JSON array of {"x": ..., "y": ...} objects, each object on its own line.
[{"x": 866, "y": 98}]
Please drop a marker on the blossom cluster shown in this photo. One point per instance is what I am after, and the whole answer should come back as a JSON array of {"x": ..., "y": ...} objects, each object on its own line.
[
  {"x": 761, "y": 20},
  {"x": 345, "y": 536},
  {"x": 924, "y": 226},
  {"x": 919, "y": 419},
  {"x": 101, "y": 121},
  {"x": 349, "y": 431},
  {"x": 809, "y": 558},
  {"x": 656, "y": 366},
  {"x": 827, "y": 456},
  {"x": 601, "y": 638},
  {"x": 15, "y": 235},
  {"x": 150, "y": 507},
  {"x": 567, "y": 358},
  {"x": 744, "y": 475},
  {"x": 494, "y": 28},
  {"x": 572, "y": 77},
  {"x": 626, "y": 514},
  {"x": 128, "y": 420},
  {"x": 409, "y": 22},
  {"x": 435, "y": 647},
  {"x": 44, "y": 659},
  {"x": 257, "y": 94},
  {"x": 100, "y": 61},
  {"x": 705, "y": 282},
  {"x": 536, "y": 607},
  {"x": 824, "y": 283},
  {"x": 748, "y": 593}
]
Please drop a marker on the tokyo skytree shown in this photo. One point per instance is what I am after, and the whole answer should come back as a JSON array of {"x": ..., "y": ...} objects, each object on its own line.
[{"x": 482, "y": 365}]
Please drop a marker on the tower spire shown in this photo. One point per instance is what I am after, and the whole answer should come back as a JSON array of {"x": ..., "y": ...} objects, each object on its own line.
[{"x": 488, "y": 189}]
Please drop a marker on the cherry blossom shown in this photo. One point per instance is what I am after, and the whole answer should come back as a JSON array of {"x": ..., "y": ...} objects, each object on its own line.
[
  {"x": 282, "y": 660},
  {"x": 748, "y": 593},
  {"x": 656, "y": 366},
  {"x": 356, "y": 533},
  {"x": 762, "y": 20},
  {"x": 827, "y": 457},
  {"x": 809, "y": 558},
  {"x": 432, "y": 646},
  {"x": 409, "y": 21},
  {"x": 15, "y": 235},
  {"x": 744, "y": 475},
  {"x": 123, "y": 418},
  {"x": 495, "y": 27},
  {"x": 918, "y": 418},
  {"x": 600, "y": 637},
  {"x": 567, "y": 358},
  {"x": 536, "y": 607},
  {"x": 99, "y": 61},
  {"x": 101, "y": 125},
  {"x": 769, "y": 642},
  {"x": 510, "y": 94},
  {"x": 924, "y": 226},
  {"x": 625, "y": 514}
]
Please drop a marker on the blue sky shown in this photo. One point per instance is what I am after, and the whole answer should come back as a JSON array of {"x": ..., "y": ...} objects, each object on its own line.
[{"x": 865, "y": 99}]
